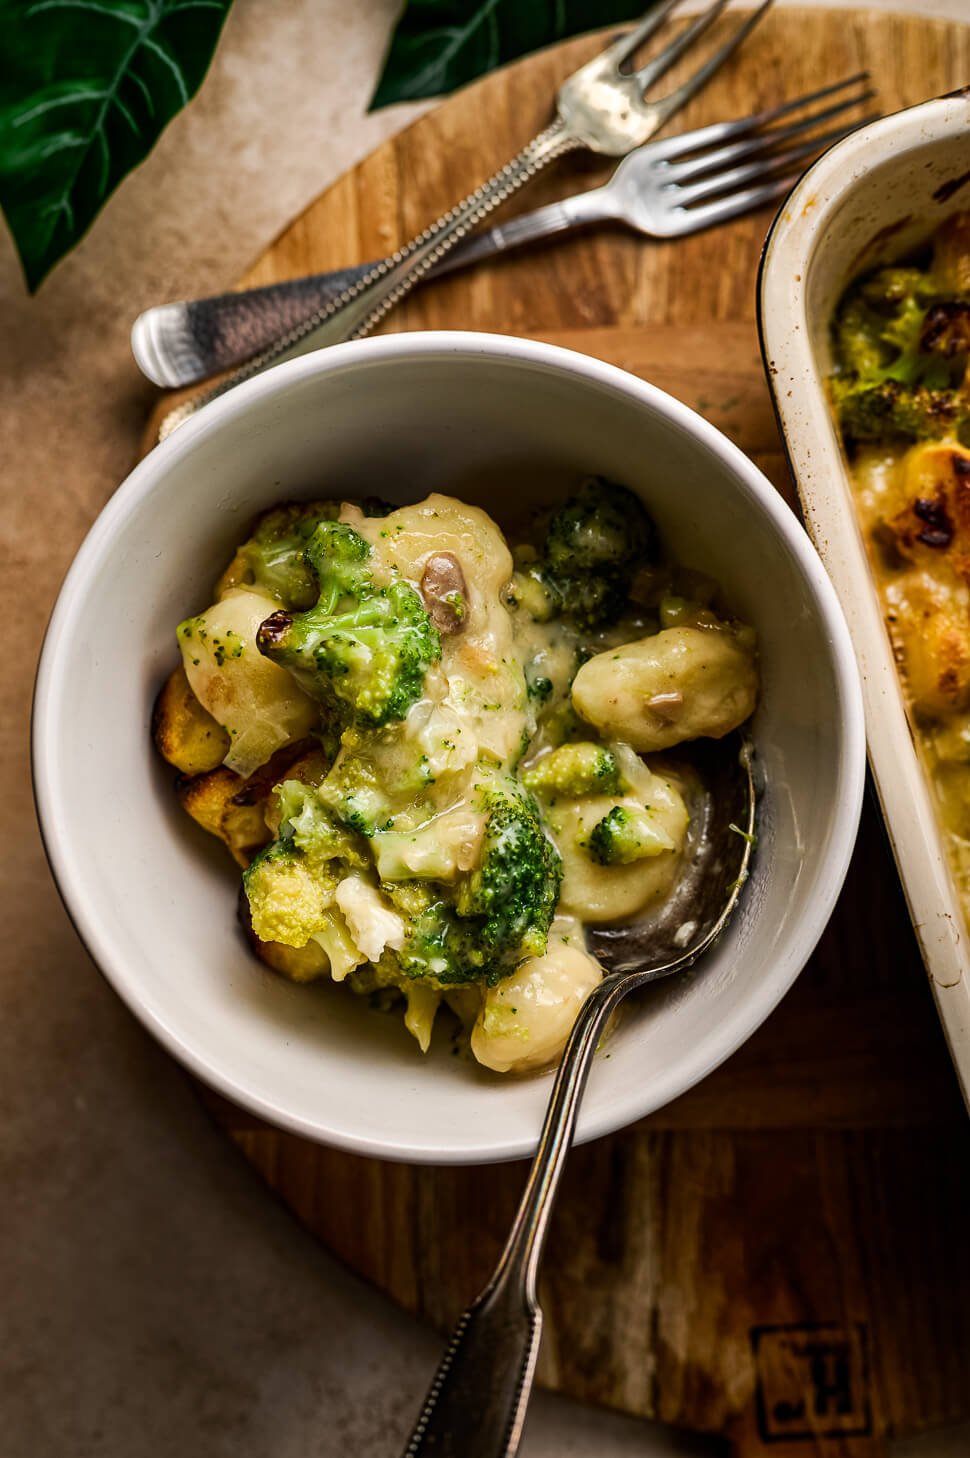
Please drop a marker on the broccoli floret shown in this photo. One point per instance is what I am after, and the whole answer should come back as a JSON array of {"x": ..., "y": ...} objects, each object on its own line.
[
  {"x": 503, "y": 910},
  {"x": 896, "y": 285},
  {"x": 575, "y": 769},
  {"x": 291, "y": 897},
  {"x": 446, "y": 947},
  {"x": 291, "y": 884},
  {"x": 370, "y": 659},
  {"x": 902, "y": 354},
  {"x": 497, "y": 918},
  {"x": 516, "y": 886},
  {"x": 626, "y": 835},
  {"x": 443, "y": 946},
  {"x": 353, "y": 793},
  {"x": 593, "y": 546},
  {"x": 306, "y": 821},
  {"x": 288, "y": 895},
  {"x": 858, "y": 346},
  {"x": 273, "y": 557},
  {"x": 538, "y": 688},
  {"x": 376, "y": 506},
  {"x": 891, "y": 411},
  {"x": 603, "y": 525},
  {"x": 533, "y": 590}
]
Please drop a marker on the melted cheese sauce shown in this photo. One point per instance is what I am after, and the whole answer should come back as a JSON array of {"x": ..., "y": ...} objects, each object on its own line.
[
  {"x": 913, "y": 506},
  {"x": 498, "y": 702}
]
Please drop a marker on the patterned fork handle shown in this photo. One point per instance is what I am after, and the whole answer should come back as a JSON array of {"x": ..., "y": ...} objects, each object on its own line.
[
  {"x": 187, "y": 342},
  {"x": 365, "y": 302},
  {"x": 600, "y": 107}
]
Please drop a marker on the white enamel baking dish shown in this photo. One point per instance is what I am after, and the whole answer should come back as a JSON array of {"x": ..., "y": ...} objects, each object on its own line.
[{"x": 870, "y": 199}]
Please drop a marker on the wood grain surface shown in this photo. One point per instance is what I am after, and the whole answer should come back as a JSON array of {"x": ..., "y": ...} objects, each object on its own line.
[{"x": 780, "y": 1256}]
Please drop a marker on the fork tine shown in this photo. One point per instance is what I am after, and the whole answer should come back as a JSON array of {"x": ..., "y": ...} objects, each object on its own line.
[
  {"x": 730, "y": 180},
  {"x": 760, "y": 142},
  {"x": 774, "y": 113},
  {"x": 661, "y": 63},
  {"x": 708, "y": 136},
  {"x": 666, "y": 107},
  {"x": 694, "y": 220},
  {"x": 626, "y": 44}
]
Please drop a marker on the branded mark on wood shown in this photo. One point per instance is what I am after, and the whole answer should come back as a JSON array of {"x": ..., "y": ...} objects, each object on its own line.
[{"x": 812, "y": 1381}]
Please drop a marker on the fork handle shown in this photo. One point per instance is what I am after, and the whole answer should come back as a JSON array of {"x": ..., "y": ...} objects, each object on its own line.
[
  {"x": 593, "y": 206},
  {"x": 365, "y": 302}
]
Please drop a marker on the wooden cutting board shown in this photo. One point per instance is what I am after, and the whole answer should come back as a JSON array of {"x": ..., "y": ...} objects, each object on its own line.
[{"x": 781, "y": 1255}]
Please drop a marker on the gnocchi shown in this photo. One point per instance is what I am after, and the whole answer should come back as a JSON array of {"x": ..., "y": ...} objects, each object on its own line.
[
  {"x": 525, "y": 1019},
  {"x": 426, "y": 752},
  {"x": 681, "y": 683},
  {"x": 604, "y": 893},
  {"x": 258, "y": 705}
]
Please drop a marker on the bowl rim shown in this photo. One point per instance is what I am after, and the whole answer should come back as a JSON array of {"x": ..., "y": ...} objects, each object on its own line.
[
  {"x": 822, "y": 482},
  {"x": 67, "y": 870}
]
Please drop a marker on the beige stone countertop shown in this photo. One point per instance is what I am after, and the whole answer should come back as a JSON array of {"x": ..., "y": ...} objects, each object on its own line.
[{"x": 155, "y": 1300}]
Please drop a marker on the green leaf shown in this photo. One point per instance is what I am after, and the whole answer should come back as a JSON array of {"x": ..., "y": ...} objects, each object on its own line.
[
  {"x": 86, "y": 89},
  {"x": 439, "y": 45}
]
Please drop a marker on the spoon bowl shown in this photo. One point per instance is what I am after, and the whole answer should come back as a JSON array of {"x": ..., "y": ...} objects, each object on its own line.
[{"x": 718, "y": 780}]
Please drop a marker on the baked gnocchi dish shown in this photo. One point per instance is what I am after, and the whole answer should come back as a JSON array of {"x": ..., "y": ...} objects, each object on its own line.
[
  {"x": 436, "y": 757},
  {"x": 901, "y": 393}
]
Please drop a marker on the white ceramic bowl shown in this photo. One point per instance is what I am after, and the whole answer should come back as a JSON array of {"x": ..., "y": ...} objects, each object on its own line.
[
  {"x": 503, "y": 422},
  {"x": 871, "y": 199}
]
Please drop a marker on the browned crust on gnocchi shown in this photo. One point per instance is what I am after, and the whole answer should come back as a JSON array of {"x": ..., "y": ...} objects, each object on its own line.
[
  {"x": 239, "y": 811},
  {"x": 184, "y": 732}
]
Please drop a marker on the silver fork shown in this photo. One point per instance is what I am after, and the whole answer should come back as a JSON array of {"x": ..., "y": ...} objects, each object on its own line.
[
  {"x": 183, "y": 343},
  {"x": 599, "y": 108}
]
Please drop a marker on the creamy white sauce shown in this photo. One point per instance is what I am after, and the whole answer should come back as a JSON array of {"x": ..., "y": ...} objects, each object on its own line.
[{"x": 475, "y": 718}]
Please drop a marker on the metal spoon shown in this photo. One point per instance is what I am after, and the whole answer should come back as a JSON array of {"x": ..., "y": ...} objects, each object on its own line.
[{"x": 476, "y": 1404}]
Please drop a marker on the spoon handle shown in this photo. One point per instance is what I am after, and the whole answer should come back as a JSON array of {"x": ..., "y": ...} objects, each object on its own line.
[{"x": 476, "y": 1403}]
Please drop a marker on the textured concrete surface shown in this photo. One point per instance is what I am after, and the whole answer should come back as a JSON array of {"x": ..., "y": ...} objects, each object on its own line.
[{"x": 155, "y": 1300}]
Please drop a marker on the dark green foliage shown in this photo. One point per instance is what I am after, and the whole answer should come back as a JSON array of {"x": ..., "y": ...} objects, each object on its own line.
[
  {"x": 86, "y": 89},
  {"x": 439, "y": 45}
]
